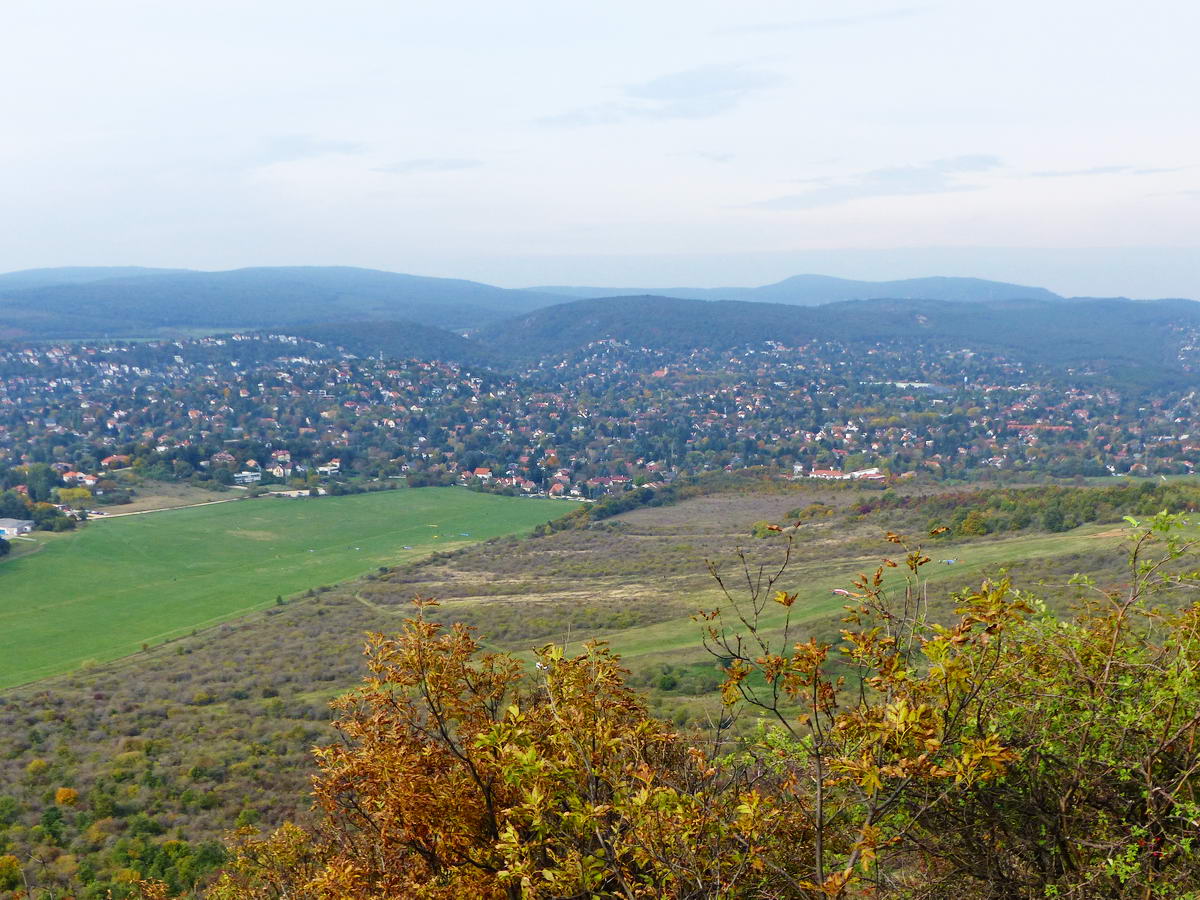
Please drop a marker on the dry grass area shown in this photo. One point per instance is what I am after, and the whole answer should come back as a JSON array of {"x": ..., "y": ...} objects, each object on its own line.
[
  {"x": 637, "y": 578},
  {"x": 646, "y": 566},
  {"x": 153, "y": 495}
]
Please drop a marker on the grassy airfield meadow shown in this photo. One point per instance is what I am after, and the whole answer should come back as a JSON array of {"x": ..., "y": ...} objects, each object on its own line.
[
  {"x": 637, "y": 580},
  {"x": 118, "y": 584}
]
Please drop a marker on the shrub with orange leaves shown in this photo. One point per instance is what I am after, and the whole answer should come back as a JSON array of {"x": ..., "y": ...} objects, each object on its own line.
[
  {"x": 461, "y": 777},
  {"x": 66, "y": 796}
]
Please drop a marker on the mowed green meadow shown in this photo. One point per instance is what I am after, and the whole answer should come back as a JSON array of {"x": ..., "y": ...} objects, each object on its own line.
[{"x": 103, "y": 592}]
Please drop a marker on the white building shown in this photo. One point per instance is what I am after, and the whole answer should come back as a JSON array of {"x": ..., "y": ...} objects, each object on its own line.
[{"x": 13, "y": 527}]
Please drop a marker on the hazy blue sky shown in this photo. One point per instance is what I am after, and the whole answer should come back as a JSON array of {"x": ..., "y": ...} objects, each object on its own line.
[{"x": 1053, "y": 142}]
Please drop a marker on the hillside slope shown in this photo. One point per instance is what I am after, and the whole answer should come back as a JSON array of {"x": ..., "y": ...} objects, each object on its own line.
[
  {"x": 397, "y": 340},
  {"x": 1113, "y": 335}
]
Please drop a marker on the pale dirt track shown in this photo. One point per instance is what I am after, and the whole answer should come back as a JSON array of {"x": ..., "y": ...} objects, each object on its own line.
[{"x": 143, "y": 512}]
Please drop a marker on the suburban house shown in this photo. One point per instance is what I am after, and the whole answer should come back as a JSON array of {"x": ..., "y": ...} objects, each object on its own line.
[
  {"x": 871, "y": 474},
  {"x": 830, "y": 474},
  {"x": 13, "y": 527}
]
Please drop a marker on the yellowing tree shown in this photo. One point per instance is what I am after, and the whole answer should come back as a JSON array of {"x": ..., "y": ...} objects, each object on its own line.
[
  {"x": 66, "y": 796},
  {"x": 460, "y": 778},
  {"x": 76, "y": 496}
]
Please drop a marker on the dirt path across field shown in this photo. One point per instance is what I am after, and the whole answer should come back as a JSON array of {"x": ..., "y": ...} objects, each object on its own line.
[{"x": 142, "y": 512}]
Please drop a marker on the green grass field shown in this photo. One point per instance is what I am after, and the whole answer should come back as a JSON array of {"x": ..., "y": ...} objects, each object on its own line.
[{"x": 105, "y": 591}]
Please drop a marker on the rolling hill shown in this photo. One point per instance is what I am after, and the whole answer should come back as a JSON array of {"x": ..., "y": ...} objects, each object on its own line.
[
  {"x": 367, "y": 311},
  {"x": 398, "y": 340},
  {"x": 147, "y": 302},
  {"x": 129, "y": 301},
  {"x": 813, "y": 290},
  {"x": 1113, "y": 336}
]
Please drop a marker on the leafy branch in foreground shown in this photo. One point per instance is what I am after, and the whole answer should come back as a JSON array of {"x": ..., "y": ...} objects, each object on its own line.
[
  {"x": 1103, "y": 713},
  {"x": 905, "y": 728}
]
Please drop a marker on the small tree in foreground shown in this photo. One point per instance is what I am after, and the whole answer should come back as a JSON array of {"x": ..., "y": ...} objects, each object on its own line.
[
  {"x": 896, "y": 725},
  {"x": 459, "y": 778}
]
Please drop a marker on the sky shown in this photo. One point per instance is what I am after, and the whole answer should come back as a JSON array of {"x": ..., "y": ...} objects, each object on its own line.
[{"x": 616, "y": 143}]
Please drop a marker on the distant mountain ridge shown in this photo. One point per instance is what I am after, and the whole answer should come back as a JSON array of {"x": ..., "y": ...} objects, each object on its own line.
[
  {"x": 1140, "y": 338},
  {"x": 33, "y": 278},
  {"x": 147, "y": 301},
  {"x": 813, "y": 290},
  {"x": 368, "y": 311}
]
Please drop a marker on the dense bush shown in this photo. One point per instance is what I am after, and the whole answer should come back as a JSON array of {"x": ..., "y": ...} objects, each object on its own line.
[{"x": 1051, "y": 507}]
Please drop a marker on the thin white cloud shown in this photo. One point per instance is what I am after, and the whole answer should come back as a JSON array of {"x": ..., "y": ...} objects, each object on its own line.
[
  {"x": 696, "y": 93},
  {"x": 1103, "y": 170},
  {"x": 886, "y": 15},
  {"x": 702, "y": 82},
  {"x": 1075, "y": 173},
  {"x": 429, "y": 164},
  {"x": 940, "y": 176},
  {"x": 599, "y": 114},
  {"x": 292, "y": 147}
]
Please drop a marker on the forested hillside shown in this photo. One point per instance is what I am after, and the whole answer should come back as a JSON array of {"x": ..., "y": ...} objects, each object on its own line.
[
  {"x": 400, "y": 340},
  {"x": 65, "y": 275},
  {"x": 1112, "y": 336}
]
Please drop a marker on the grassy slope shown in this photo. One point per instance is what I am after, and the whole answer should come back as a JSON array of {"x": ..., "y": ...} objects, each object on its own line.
[
  {"x": 120, "y": 583},
  {"x": 815, "y": 583},
  {"x": 638, "y": 581}
]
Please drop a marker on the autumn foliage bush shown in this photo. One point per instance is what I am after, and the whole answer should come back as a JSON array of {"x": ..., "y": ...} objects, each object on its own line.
[{"x": 995, "y": 752}]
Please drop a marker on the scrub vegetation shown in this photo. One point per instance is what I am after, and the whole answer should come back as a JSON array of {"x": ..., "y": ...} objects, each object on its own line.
[{"x": 168, "y": 750}]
